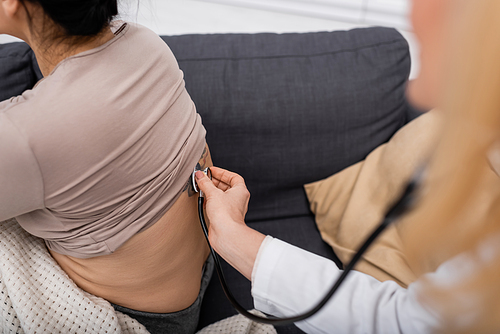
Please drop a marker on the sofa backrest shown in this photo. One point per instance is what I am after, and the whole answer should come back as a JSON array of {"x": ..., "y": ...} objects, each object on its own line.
[
  {"x": 18, "y": 69},
  {"x": 288, "y": 109}
]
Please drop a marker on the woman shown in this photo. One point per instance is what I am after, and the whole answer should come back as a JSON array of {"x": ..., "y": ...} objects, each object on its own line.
[
  {"x": 460, "y": 48},
  {"x": 96, "y": 159}
]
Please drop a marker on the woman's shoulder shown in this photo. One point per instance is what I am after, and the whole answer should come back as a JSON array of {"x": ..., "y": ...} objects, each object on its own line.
[{"x": 139, "y": 34}]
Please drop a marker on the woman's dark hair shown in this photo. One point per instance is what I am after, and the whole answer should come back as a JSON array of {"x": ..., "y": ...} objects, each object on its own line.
[{"x": 80, "y": 17}]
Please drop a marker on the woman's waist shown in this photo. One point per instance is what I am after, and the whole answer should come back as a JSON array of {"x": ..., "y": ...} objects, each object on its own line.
[{"x": 157, "y": 270}]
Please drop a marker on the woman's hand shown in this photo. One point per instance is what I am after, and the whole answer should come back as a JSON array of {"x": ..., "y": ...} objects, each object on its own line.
[{"x": 227, "y": 197}]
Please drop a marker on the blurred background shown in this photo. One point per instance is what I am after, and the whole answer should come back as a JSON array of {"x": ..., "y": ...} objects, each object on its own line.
[{"x": 176, "y": 17}]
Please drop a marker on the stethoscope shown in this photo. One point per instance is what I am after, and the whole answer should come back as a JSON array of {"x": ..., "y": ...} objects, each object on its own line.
[{"x": 401, "y": 206}]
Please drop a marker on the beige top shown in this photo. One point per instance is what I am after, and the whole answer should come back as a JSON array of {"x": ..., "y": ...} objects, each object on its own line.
[{"x": 101, "y": 148}]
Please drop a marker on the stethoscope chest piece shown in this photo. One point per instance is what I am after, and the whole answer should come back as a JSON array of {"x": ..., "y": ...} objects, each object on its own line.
[{"x": 205, "y": 171}]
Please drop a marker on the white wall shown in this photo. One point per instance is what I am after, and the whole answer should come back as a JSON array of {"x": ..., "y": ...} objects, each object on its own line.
[
  {"x": 175, "y": 17},
  {"x": 392, "y": 12}
]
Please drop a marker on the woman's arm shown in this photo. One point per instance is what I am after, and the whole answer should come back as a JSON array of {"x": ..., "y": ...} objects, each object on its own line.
[{"x": 21, "y": 187}]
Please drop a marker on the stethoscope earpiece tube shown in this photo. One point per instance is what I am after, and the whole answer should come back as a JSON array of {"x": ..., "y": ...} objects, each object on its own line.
[{"x": 405, "y": 203}]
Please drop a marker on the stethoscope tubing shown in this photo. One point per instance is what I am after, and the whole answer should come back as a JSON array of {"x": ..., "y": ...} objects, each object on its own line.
[{"x": 401, "y": 206}]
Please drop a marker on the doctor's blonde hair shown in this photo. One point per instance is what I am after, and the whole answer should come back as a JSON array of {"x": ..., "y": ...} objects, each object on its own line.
[{"x": 460, "y": 206}]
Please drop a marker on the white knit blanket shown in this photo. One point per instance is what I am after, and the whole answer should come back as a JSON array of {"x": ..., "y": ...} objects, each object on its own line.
[
  {"x": 36, "y": 296},
  {"x": 238, "y": 324}
]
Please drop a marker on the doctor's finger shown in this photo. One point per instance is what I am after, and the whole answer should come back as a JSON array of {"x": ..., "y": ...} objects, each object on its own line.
[
  {"x": 225, "y": 177},
  {"x": 205, "y": 184},
  {"x": 201, "y": 178}
]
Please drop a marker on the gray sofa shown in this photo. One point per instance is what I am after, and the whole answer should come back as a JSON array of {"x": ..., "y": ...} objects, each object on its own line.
[{"x": 282, "y": 110}]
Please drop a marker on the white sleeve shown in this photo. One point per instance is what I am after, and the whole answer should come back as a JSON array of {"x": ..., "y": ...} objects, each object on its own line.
[
  {"x": 21, "y": 184},
  {"x": 287, "y": 280}
]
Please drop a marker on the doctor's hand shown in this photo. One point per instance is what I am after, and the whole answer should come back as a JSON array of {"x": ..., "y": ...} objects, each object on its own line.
[
  {"x": 226, "y": 200},
  {"x": 226, "y": 204}
]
